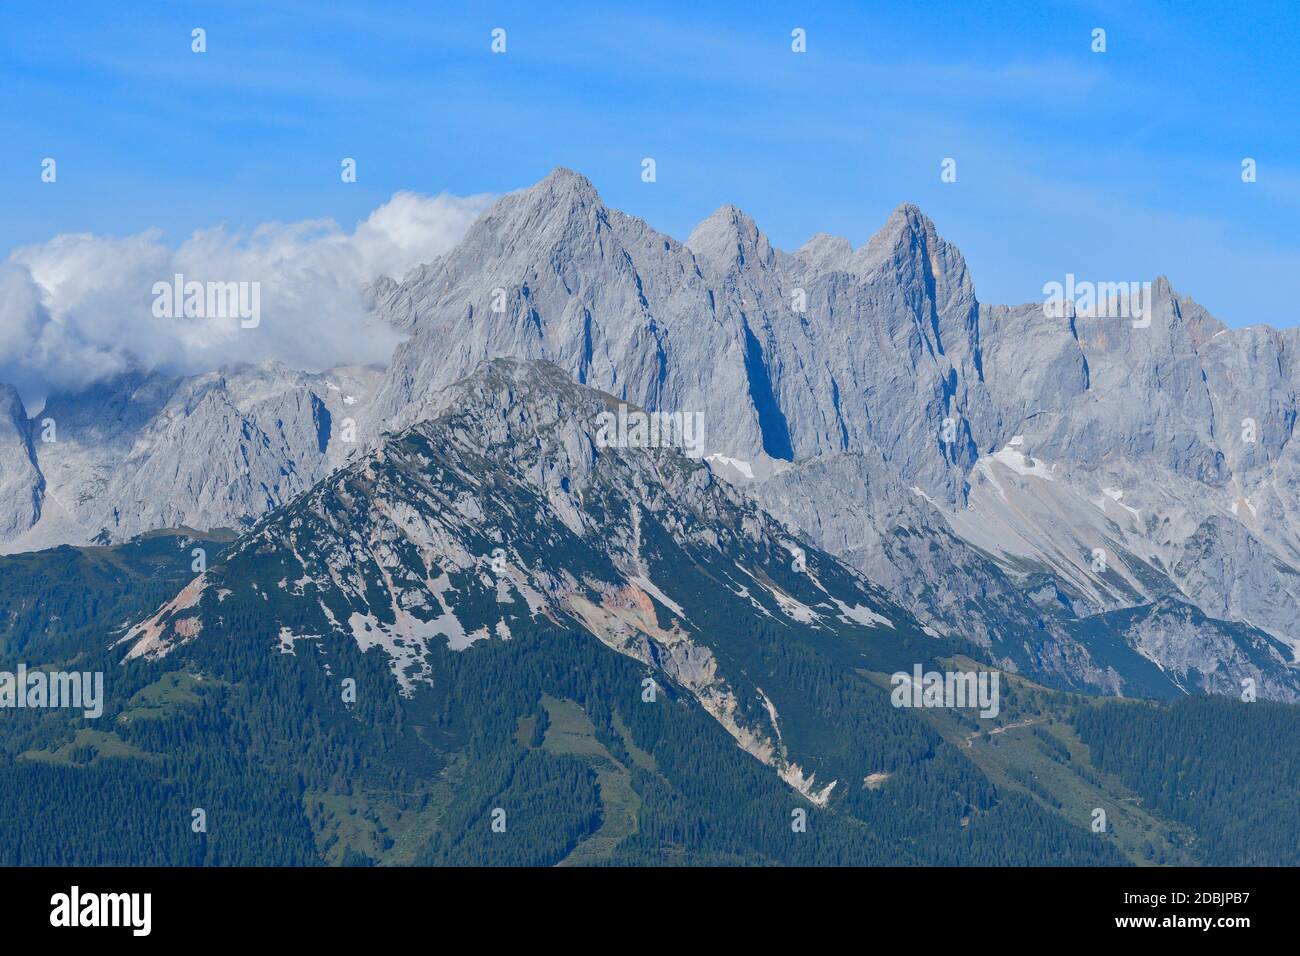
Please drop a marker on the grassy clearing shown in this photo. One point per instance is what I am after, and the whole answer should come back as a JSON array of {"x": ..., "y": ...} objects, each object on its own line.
[
  {"x": 171, "y": 693},
  {"x": 89, "y": 747},
  {"x": 571, "y": 732},
  {"x": 1031, "y": 747}
]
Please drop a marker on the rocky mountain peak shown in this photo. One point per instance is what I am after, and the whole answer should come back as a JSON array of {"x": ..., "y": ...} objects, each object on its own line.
[
  {"x": 906, "y": 233},
  {"x": 562, "y": 211},
  {"x": 379, "y": 291},
  {"x": 564, "y": 178},
  {"x": 826, "y": 253},
  {"x": 729, "y": 238},
  {"x": 562, "y": 192},
  {"x": 532, "y": 415}
]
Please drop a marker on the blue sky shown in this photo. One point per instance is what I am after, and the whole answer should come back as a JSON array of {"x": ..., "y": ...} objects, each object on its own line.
[{"x": 1114, "y": 166}]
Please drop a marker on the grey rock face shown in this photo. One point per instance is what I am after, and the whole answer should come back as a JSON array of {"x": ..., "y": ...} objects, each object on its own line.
[
  {"x": 1127, "y": 434},
  {"x": 885, "y": 352},
  {"x": 1193, "y": 652},
  {"x": 826, "y": 253},
  {"x": 552, "y": 273},
  {"x": 20, "y": 481},
  {"x": 150, "y": 451},
  {"x": 780, "y": 357}
]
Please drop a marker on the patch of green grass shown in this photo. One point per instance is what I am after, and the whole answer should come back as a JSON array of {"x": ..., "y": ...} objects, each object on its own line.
[
  {"x": 173, "y": 692},
  {"x": 572, "y": 732},
  {"x": 524, "y": 729},
  {"x": 1024, "y": 749},
  {"x": 646, "y": 761},
  {"x": 389, "y": 828},
  {"x": 88, "y": 747},
  {"x": 1022, "y": 760}
]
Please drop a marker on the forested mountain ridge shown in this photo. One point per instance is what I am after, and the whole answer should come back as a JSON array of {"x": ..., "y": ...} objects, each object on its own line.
[{"x": 567, "y": 653}]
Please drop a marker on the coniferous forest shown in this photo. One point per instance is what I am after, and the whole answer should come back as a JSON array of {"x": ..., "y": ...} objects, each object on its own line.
[{"x": 542, "y": 750}]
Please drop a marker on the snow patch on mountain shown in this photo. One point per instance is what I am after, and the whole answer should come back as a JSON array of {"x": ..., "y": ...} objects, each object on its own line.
[{"x": 861, "y": 614}]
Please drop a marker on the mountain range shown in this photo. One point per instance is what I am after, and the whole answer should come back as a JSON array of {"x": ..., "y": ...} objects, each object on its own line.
[
  {"x": 494, "y": 639},
  {"x": 1014, "y": 478},
  {"x": 443, "y": 612}
]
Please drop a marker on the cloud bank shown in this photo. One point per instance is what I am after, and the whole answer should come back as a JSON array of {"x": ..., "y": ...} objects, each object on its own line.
[{"x": 80, "y": 308}]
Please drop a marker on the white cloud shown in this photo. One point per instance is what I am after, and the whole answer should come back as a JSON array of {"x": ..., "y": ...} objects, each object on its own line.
[{"x": 79, "y": 308}]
